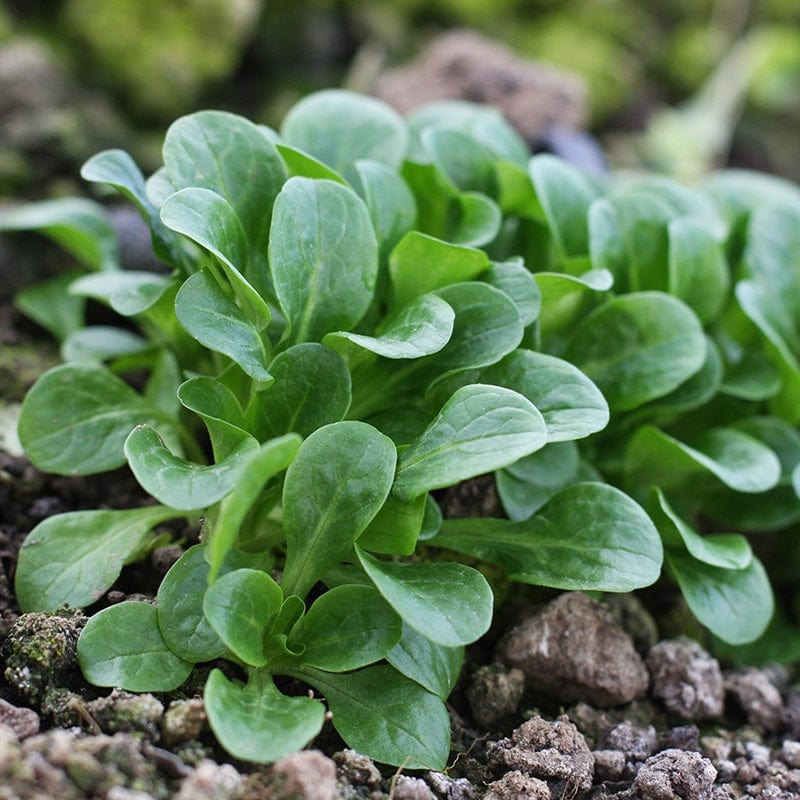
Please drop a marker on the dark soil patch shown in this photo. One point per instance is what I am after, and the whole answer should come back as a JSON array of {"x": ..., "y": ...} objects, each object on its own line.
[{"x": 571, "y": 698}]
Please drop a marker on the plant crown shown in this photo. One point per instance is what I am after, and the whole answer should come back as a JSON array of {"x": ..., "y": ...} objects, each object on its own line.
[{"x": 359, "y": 311}]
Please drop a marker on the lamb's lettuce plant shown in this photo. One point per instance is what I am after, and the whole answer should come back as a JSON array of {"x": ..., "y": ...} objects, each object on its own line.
[{"x": 356, "y": 312}]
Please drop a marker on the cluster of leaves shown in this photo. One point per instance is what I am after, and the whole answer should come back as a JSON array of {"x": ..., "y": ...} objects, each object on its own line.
[{"x": 361, "y": 310}]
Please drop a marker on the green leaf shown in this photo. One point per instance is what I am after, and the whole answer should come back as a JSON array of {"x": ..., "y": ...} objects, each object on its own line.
[
  {"x": 752, "y": 377},
  {"x": 76, "y": 418},
  {"x": 450, "y": 604},
  {"x": 240, "y": 606},
  {"x": 735, "y": 605},
  {"x": 340, "y": 127},
  {"x": 116, "y": 168},
  {"x": 122, "y": 646},
  {"x": 102, "y": 343},
  {"x": 346, "y": 628},
  {"x": 738, "y": 460},
  {"x": 49, "y": 304},
  {"x": 303, "y": 165},
  {"x": 386, "y": 716},
  {"x": 589, "y": 536},
  {"x": 420, "y": 329},
  {"x": 128, "y": 293},
  {"x": 725, "y": 550},
  {"x": 479, "y": 429},
  {"x": 420, "y": 263},
  {"x": 273, "y": 457},
  {"x": 180, "y": 483},
  {"x": 566, "y": 299},
  {"x": 256, "y": 722},
  {"x": 572, "y": 406},
  {"x": 324, "y": 257},
  {"x": 72, "y": 559},
  {"x": 209, "y": 220},
  {"x": 336, "y": 484},
  {"x": 394, "y": 530},
  {"x": 213, "y": 319},
  {"x": 311, "y": 387},
  {"x": 565, "y": 195},
  {"x": 513, "y": 279},
  {"x": 228, "y": 154},
  {"x": 698, "y": 270},
  {"x": 431, "y": 665},
  {"x": 80, "y": 226},
  {"x": 637, "y": 347},
  {"x": 467, "y": 165}
]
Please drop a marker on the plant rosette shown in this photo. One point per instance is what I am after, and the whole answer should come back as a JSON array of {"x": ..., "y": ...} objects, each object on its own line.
[{"x": 358, "y": 311}]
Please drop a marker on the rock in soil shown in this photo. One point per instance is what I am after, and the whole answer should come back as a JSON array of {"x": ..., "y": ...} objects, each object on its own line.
[
  {"x": 518, "y": 786},
  {"x": 686, "y": 679},
  {"x": 755, "y": 692},
  {"x": 23, "y": 722},
  {"x": 573, "y": 651},
  {"x": 675, "y": 775}
]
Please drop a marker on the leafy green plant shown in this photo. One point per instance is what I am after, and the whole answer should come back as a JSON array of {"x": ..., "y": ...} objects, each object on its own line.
[{"x": 358, "y": 312}]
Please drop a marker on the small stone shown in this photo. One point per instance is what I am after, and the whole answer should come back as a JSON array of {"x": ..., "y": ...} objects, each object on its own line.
[
  {"x": 681, "y": 737},
  {"x": 495, "y": 692},
  {"x": 307, "y": 775},
  {"x": 609, "y": 765},
  {"x": 183, "y": 721},
  {"x": 790, "y": 753},
  {"x": 210, "y": 781},
  {"x": 450, "y": 788},
  {"x": 573, "y": 651},
  {"x": 552, "y": 751},
  {"x": 716, "y": 748},
  {"x": 407, "y": 788},
  {"x": 124, "y": 711},
  {"x": 758, "y": 697},
  {"x": 675, "y": 775},
  {"x": 518, "y": 786},
  {"x": 23, "y": 721},
  {"x": 357, "y": 769},
  {"x": 635, "y": 743},
  {"x": 686, "y": 678}
]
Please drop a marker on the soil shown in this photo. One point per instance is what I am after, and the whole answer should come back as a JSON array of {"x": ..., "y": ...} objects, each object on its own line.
[{"x": 566, "y": 698}]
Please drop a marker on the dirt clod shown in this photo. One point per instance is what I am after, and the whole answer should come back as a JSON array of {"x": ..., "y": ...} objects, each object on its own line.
[
  {"x": 408, "y": 788},
  {"x": 494, "y": 692},
  {"x": 308, "y": 775},
  {"x": 754, "y": 691},
  {"x": 686, "y": 679},
  {"x": 573, "y": 651},
  {"x": 555, "y": 752},
  {"x": 183, "y": 721},
  {"x": 450, "y": 788},
  {"x": 675, "y": 775},
  {"x": 518, "y": 786},
  {"x": 123, "y": 711},
  {"x": 635, "y": 743},
  {"x": 23, "y": 721}
]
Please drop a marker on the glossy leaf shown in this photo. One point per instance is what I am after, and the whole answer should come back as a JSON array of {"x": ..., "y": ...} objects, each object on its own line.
[
  {"x": 303, "y": 165},
  {"x": 346, "y": 628},
  {"x": 431, "y": 665},
  {"x": 589, "y": 536},
  {"x": 122, "y": 646},
  {"x": 72, "y": 559},
  {"x": 212, "y": 318},
  {"x": 240, "y": 606},
  {"x": 450, "y": 604},
  {"x": 396, "y": 527},
  {"x": 76, "y": 418},
  {"x": 128, "y": 293},
  {"x": 324, "y": 257},
  {"x": 255, "y": 722},
  {"x": 50, "y": 305},
  {"x": 513, "y": 279},
  {"x": 467, "y": 165},
  {"x": 102, "y": 343},
  {"x": 386, "y": 716},
  {"x": 336, "y": 484},
  {"x": 637, "y": 347},
  {"x": 180, "y": 483},
  {"x": 479, "y": 429}
]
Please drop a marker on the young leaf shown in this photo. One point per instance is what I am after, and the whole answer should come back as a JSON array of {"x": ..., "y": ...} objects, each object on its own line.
[
  {"x": 589, "y": 536},
  {"x": 572, "y": 406},
  {"x": 303, "y": 165},
  {"x": 50, "y": 305},
  {"x": 725, "y": 550},
  {"x": 346, "y": 628},
  {"x": 386, "y": 716},
  {"x": 336, "y": 484},
  {"x": 310, "y": 388},
  {"x": 420, "y": 329},
  {"x": 80, "y": 226},
  {"x": 214, "y": 320},
  {"x": 76, "y": 418},
  {"x": 637, "y": 347},
  {"x": 272, "y": 458},
  {"x": 566, "y": 299},
  {"x": 421, "y": 263},
  {"x": 102, "y": 343},
  {"x": 256, "y": 722},
  {"x": 431, "y": 665},
  {"x": 180, "y": 483},
  {"x": 324, "y": 257},
  {"x": 513, "y": 279},
  {"x": 450, "y": 604},
  {"x": 340, "y": 127},
  {"x": 72, "y": 559},
  {"x": 395, "y": 529},
  {"x": 466, "y": 164},
  {"x": 210, "y": 221},
  {"x": 738, "y": 460},
  {"x": 240, "y": 606},
  {"x": 479, "y": 429},
  {"x": 122, "y": 646},
  {"x": 128, "y": 293},
  {"x": 735, "y": 605}
]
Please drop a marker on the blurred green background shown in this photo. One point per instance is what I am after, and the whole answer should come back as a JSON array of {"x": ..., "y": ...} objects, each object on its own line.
[{"x": 677, "y": 85}]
